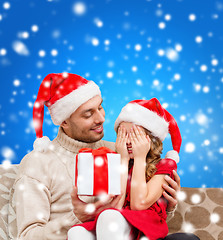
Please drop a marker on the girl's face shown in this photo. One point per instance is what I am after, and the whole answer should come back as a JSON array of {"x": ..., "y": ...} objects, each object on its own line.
[{"x": 128, "y": 126}]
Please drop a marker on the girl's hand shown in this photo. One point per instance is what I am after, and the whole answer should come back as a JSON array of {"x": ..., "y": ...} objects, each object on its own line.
[
  {"x": 120, "y": 144},
  {"x": 140, "y": 142}
]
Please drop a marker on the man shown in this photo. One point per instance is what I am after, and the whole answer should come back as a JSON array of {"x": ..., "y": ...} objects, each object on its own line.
[{"x": 45, "y": 180}]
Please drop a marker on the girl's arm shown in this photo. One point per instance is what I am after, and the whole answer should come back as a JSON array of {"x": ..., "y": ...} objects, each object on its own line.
[
  {"x": 144, "y": 197},
  {"x": 124, "y": 178},
  {"x": 143, "y": 194},
  {"x": 121, "y": 148}
]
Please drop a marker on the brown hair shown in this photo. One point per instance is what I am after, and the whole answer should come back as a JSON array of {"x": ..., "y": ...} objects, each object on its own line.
[{"x": 153, "y": 156}]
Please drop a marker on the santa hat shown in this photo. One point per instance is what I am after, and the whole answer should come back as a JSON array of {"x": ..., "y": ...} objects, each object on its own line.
[
  {"x": 62, "y": 93},
  {"x": 153, "y": 117}
]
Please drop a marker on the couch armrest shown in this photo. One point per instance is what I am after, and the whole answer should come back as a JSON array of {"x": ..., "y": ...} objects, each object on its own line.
[{"x": 7, "y": 179}]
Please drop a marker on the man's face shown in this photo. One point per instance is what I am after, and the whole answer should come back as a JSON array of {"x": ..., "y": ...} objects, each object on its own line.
[{"x": 86, "y": 123}]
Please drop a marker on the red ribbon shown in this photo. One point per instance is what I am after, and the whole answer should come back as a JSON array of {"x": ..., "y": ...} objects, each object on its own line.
[{"x": 100, "y": 171}]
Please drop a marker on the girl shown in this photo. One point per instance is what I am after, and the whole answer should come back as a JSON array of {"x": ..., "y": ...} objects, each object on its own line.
[{"x": 141, "y": 211}]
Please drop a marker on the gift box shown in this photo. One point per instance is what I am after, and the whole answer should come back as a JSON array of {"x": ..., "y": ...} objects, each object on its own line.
[{"x": 97, "y": 171}]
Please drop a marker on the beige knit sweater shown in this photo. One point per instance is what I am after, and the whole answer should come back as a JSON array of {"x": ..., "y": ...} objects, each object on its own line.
[{"x": 43, "y": 187}]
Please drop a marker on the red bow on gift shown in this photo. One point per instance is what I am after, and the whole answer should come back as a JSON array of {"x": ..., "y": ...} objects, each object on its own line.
[
  {"x": 100, "y": 168},
  {"x": 97, "y": 152}
]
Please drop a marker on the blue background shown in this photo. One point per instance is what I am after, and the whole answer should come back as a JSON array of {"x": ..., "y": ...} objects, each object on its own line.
[{"x": 133, "y": 57}]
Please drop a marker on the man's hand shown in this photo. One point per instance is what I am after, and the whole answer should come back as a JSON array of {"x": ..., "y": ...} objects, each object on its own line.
[
  {"x": 170, "y": 192},
  {"x": 88, "y": 211}
]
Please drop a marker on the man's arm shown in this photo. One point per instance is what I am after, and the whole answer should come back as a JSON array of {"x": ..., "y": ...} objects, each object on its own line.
[
  {"x": 33, "y": 212},
  {"x": 34, "y": 198}
]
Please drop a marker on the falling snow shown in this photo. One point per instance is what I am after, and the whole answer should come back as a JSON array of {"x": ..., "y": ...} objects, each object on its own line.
[
  {"x": 133, "y": 52},
  {"x": 20, "y": 48},
  {"x": 192, "y": 17},
  {"x": 79, "y": 8}
]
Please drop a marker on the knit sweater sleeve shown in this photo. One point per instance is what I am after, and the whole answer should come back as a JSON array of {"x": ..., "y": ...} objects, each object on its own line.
[{"x": 33, "y": 204}]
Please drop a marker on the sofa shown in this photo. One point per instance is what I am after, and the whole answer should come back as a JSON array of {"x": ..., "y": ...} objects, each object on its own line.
[{"x": 200, "y": 210}]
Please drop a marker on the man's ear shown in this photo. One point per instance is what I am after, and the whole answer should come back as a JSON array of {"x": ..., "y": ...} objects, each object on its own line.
[{"x": 64, "y": 124}]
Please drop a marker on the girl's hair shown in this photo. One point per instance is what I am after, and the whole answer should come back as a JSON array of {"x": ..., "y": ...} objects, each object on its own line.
[{"x": 153, "y": 156}]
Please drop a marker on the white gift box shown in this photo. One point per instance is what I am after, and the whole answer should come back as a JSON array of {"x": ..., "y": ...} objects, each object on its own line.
[{"x": 98, "y": 172}]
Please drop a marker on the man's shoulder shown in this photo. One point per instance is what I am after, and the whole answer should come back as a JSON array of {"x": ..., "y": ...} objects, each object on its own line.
[
  {"x": 109, "y": 144},
  {"x": 36, "y": 160},
  {"x": 35, "y": 155}
]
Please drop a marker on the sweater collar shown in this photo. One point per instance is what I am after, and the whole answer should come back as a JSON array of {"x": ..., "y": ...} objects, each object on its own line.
[{"x": 73, "y": 145}]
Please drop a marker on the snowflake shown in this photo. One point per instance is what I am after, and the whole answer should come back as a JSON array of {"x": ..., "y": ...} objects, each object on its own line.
[
  {"x": 90, "y": 208},
  {"x": 177, "y": 76},
  {"x": 3, "y": 52},
  {"x": 134, "y": 69},
  {"x": 162, "y": 25},
  {"x": 107, "y": 42},
  {"x": 138, "y": 47},
  {"x": 161, "y": 52},
  {"x": 190, "y": 147},
  {"x": 206, "y": 142},
  {"x": 6, "y": 164},
  {"x": 42, "y": 53},
  {"x": 7, "y": 153},
  {"x": 95, "y": 41},
  {"x": 99, "y": 161},
  {"x": 6, "y": 5},
  {"x": 201, "y": 119},
  {"x": 98, "y": 22},
  {"x": 181, "y": 196},
  {"x": 188, "y": 227},
  {"x": 35, "y": 28},
  {"x": 23, "y": 35},
  {"x": 203, "y": 68},
  {"x": 178, "y": 47},
  {"x": 195, "y": 198},
  {"x": 198, "y": 39},
  {"x": 139, "y": 82},
  {"x": 54, "y": 52},
  {"x": 214, "y": 217},
  {"x": 16, "y": 82},
  {"x": 168, "y": 17},
  {"x": 192, "y": 17},
  {"x": 182, "y": 118},
  {"x": 79, "y": 8},
  {"x": 214, "y": 62},
  {"x": 172, "y": 54},
  {"x": 110, "y": 74},
  {"x": 20, "y": 48}
]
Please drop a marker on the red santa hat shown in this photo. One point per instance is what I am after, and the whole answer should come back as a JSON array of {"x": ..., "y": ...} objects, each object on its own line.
[
  {"x": 153, "y": 117},
  {"x": 62, "y": 93}
]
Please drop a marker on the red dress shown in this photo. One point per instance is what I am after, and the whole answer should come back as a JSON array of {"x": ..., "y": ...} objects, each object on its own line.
[{"x": 150, "y": 222}]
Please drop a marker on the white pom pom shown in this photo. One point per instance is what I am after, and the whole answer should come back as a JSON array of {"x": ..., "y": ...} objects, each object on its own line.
[
  {"x": 41, "y": 144},
  {"x": 173, "y": 155}
]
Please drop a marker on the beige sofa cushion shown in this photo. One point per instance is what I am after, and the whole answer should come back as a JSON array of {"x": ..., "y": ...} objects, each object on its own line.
[
  {"x": 12, "y": 226},
  {"x": 200, "y": 211},
  {"x": 7, "y": 178}
]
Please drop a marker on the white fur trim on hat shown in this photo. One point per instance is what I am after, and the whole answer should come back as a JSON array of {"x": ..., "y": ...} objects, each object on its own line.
[
  {"x": 142, "y": 116},
  {"x": 173, "y": 155},
  {"x": 64, "y": 107},
  {"x": 41, "y": 144}
]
